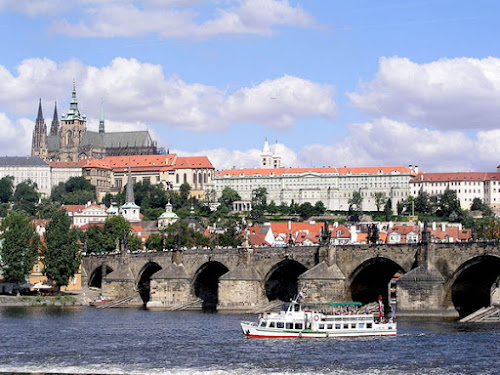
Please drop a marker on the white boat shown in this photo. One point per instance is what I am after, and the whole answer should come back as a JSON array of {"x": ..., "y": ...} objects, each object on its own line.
[{"x": 322, "y": 320}]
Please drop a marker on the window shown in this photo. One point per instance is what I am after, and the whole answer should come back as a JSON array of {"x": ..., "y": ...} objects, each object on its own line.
[
  {"x": 321, "y": 326},
  {"x": 353, "y": 325},
  {"x": 263, "y": 323},
  {"x": 337, "y": 326},
  {"x": 280, "y": 325},
  {"x": 289, "y": 326},
  {"x": 272, "y": 324},
  {"x": 298, "y": 325},
  {"x": 369, "y": 325},
  {"x": 329, "y": 326},
  {"x": 346, "y": 326}
]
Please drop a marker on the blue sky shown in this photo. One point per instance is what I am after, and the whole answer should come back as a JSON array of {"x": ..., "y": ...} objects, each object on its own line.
[{"x": 357, "y": 83}]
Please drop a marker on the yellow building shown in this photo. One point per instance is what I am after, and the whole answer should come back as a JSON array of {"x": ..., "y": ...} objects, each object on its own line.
[{"x": 36, "y": 276}]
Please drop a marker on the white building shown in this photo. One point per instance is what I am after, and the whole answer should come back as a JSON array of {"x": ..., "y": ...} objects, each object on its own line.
[
  {"x": 63, "y": 171},
  {"x": 86, "y": 214},
  {"x": 24, "y": 168},
  {"x": 333, "y": 186},
  {"x": 468, "y": 185}
]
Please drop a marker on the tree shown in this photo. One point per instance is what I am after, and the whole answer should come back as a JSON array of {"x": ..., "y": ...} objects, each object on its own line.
[
  {"x": 61, "y": 254},
  {"x": 423, "y": 203},
  {"x": 134, "y": 242},
  {"x": 6, "y": 189},
  {"x": 95, "y": 240},
  {"x": 259, "y": 202},
  {"x": 355, "y": 202},
  {"x": 18, "y": 251},
  {"x": 26, "y": 197},
  {"x": 477, "y": 204},
  {"x": 306, "y": 210},
  {"x": 449, "y": 205},
  {"x": 154, "y": 242},
  {"x": 228, "y": 196},
  {"x": 115, "y": 229},
  {"x": 319, "y": 208},
  {"x": 388, "y": 209},
  {"x": 380, "y": 199},
  {"x": 185, "y": 191},
  {"x": 77, "y": 190}
]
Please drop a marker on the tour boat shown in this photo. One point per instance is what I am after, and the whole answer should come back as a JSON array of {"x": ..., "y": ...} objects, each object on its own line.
[{"x": 321, "y": 320}]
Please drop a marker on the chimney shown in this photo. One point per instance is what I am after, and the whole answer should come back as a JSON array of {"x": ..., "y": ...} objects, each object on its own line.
[
  {"x": 433, "y": 225},
  {"x": 460, "y": 226},
  {"x": 336, "y": 224},
  {"x": 416, "y": 169},
  {"x": 443, "y": 227}
]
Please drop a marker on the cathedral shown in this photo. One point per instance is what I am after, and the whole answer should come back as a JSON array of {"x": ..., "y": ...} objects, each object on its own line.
[{"x": 69, "y": 139}]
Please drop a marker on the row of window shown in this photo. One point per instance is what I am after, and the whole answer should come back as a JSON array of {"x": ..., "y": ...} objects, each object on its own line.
[{"x": 321, "y": 326}]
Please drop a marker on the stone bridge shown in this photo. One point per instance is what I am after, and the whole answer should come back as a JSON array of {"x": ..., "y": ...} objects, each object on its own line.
[{"x": 435, "y": 279}]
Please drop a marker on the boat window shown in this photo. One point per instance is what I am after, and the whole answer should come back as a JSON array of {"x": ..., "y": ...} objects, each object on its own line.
[
  {"x": 280, "y": 325},
  {"x": 346, "y": 326},
  {"x": 368, "y": 325},
  {"x": 353, "y": 325},
  {"x": 321, "y": 326},
  {"x": 263, "y": 323},
  {"x": 289, "y": 326},
  {"x": 337, "y": 326},
  {"x": 329, "y": 326},
  {"x": 361, "y": 325},
  {"x": 298, "y": 325},
  {"x": 271, "y": 324},
  {"x": 297, "y": 308}
]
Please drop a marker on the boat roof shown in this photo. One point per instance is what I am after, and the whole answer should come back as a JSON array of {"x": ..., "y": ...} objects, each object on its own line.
[{"x": 335, "y": 303}]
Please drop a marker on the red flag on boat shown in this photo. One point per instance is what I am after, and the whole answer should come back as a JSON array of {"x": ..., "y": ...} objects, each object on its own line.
[{"x": 380, "y": 307}]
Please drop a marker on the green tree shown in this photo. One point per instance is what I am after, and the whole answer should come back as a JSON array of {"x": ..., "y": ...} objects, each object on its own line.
[
  {"x": 134, "y": 242},
  {"x": 380, "y": 199},
  {"x": 185, "y": 191},
  {"x": 26, "y": 197},
  {"x": 4, "y": 209},
  {"x": 228, "y": 196},
  {"x": 355, "y": 202},
  {"x": 449, "y": 206},
  {"x": 154, "y": 242},
  {"x": 115, "y": 229},
  {"x": 77, "y": 190},
  {"x": 259, "y": 202},
  {"x": 6, "y": 189},
  {"x": 95, "y": 240},
  {"x": 272, "y": 208},
  {"x": 319, "y": 208},
  {"x": 477, "y": 204},
  {"x": 19, "y": 246},
  {"x": 61, "y": 254},
  {"x": 423, "y": 203},
  {"x": 388, "y": 210},
  {"x": 306, "y": 210}
]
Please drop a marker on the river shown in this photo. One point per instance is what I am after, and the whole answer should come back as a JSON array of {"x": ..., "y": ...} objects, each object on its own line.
[{"x": 132, "y": 341}]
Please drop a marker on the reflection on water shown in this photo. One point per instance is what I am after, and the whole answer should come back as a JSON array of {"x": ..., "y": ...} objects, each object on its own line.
[{"x": 135, "y": 341}]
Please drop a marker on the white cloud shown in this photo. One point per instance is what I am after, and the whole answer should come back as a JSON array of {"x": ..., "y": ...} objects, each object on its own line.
[
  {"x": 137, "y": 92},
  {"x": 386, "y": 142},
  {"x": 461, "y": 93},
  {"x": 180, "y": 19},
  {"x": 16, "y": 136},
  {"x": 280, "y": 101}
]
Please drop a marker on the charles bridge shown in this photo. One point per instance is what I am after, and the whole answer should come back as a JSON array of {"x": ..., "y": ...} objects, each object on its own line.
[{"x": 447, "y": 279}]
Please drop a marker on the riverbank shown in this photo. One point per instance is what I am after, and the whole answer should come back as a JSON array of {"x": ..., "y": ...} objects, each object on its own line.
[{"x": 62, "y": 299}]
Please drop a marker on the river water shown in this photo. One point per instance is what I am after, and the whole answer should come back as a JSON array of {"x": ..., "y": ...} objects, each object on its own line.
[{"x": 131, "y": 341}]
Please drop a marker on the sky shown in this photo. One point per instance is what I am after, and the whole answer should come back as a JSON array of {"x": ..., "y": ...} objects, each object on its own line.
[{"x": 330, "y": 82}]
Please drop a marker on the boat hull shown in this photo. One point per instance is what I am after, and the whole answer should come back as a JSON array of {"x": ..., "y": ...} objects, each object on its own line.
[{"x": 252, "y": 330}]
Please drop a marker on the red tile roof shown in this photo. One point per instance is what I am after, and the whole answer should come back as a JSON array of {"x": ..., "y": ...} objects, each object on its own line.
[
  {"x": 186, "y": 162},
  {"x": 325, "y": 170},
  {"x": 457, "y": 176}
]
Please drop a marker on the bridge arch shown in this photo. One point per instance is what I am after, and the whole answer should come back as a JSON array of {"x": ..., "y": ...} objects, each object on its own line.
[
  {"x": 96, "y": 276},
  {"x": 472, "y": 282},
  {"x": 371, "y": 279},
  {"x": 206, "y": 284},
  {"x": 143, "y": 281},
  {"x": 281, "y": 282}
]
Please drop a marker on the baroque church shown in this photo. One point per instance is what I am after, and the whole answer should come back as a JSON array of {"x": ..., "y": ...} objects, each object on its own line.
[{"x": 69, "y": 139}]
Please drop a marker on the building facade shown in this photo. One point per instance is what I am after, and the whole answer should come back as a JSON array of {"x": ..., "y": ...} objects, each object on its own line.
[
  {"x": 467, "y": 185},
  {"x": 69, "y": 139},
  {"x": 23, "y": 168}
]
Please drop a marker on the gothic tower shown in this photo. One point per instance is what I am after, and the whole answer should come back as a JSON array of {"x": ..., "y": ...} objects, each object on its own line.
[
  {"x": 54, "y": 127},
  {"x": 73, "y": 127},
  {"x": 39, "y": 139},
  {"x": 276, "y": 157}
]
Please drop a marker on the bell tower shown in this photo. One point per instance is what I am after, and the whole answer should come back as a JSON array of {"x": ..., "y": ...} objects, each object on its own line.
[
  {"x": 39, "y": 139},
  {"x": 72, "y": 130}
]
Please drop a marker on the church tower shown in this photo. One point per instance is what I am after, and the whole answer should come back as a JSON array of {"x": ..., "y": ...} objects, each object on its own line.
[
  {"x": 101, "y": 120},
  {"x": 54, "y": 127},
  {"x": 266, "y": 157},
  {"x": 72, "y": 130},
  {"x": 130, "y": 211},
  {"x": 39, "y": 139},
  {"x": 276, "y": 157}
]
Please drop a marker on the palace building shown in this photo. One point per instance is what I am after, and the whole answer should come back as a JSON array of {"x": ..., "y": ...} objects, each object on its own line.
[{"x": 69, "y": 139}]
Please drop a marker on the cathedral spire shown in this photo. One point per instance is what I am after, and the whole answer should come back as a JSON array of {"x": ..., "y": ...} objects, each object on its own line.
[
  {"x": 130, "y": 188},
  {"x": 101, "y": 119},
  {"x": 54, "y": 127},
  {"x": 39, "y": 117}
]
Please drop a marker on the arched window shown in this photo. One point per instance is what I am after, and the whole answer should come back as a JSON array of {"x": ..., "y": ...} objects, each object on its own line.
[
  {"x": 205, "y": 177},
  {"x": 185, "y": 178},
  {"x": 200, "y": 178},
  {"x": 176, "y": 178}
]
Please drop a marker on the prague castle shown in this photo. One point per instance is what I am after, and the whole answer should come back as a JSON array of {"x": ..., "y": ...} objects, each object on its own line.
[{"x": 69, "y": 139}]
